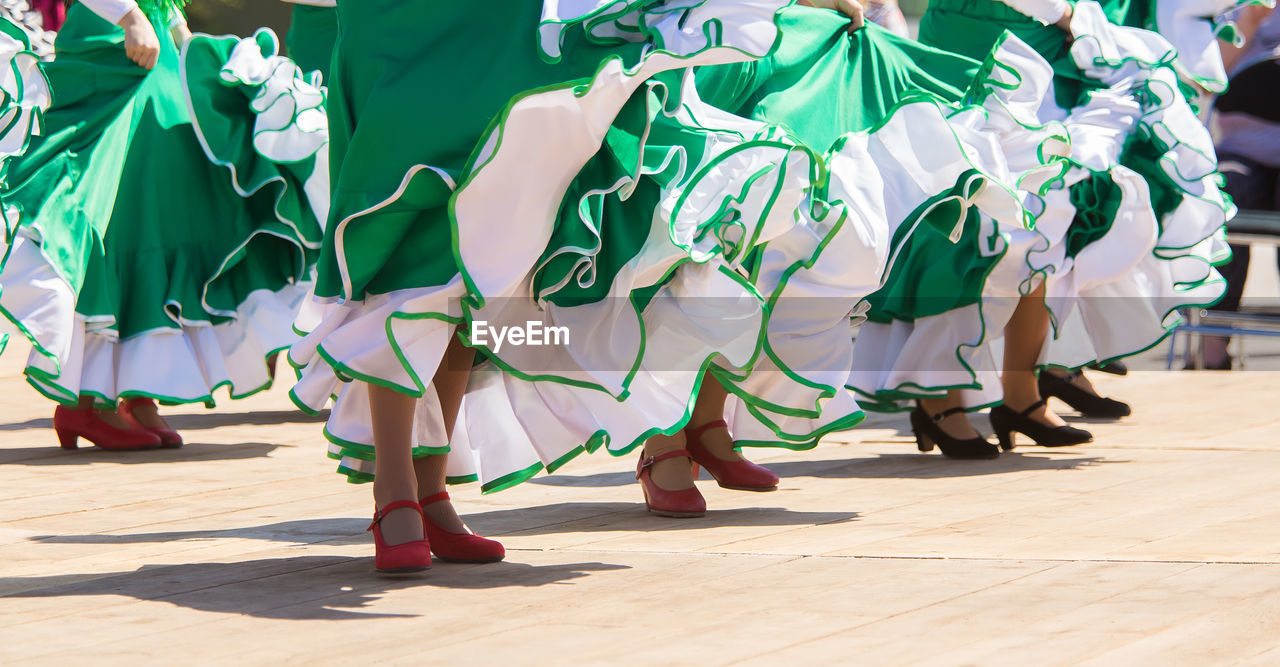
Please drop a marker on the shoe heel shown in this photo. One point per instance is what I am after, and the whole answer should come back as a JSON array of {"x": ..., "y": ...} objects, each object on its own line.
[
  {"x": 68, "y": 439},
  {"x": 1006, "y": 440},
  {"x": 920, "y": 429}
]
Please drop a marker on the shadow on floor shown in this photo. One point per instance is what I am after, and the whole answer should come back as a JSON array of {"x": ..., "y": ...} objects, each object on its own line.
[
  {"x": 52, "y": 455},
  {"x": 903, "y": 434},
  {"x": 203, "y": 420},
  {"x": 883, "y": 466},
  {"x": 577, "y": 517},
  {"x": 297, "y": 533},
  {"x": 325, "y": 588}
]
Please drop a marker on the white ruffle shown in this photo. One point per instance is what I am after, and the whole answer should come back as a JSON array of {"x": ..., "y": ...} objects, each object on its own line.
[
  {"x": 673, "y": 26},
  {"x": 1193, "y": 27},
  {"x": 290, "y": 122},
  {"x": 1016, "y": 135},
  {"x": 26, "y": 95},
  {"x": 75, "y": 356}
]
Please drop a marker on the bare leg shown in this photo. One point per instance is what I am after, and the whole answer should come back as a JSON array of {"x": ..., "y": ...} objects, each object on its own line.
[
  {"x": 392, "y": 414},
  {"x": 672, "y": 474},
  {"x": 1024, "y": 337},
  {"x": 957, "y": 425},
  {"x": 451, "y": 383},
  {"x": 708, "y": 408}
]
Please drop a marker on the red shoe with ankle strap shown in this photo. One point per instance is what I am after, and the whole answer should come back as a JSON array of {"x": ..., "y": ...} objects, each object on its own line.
[
  {"x": 459, "y": 547},
  {"x": 71, "y": 425},
  {"x": 682, "y": 504},
  {"x": 169, "y": 438},
  {"x": 414, "y": 556},
  {"x": 739, "y": 475}
]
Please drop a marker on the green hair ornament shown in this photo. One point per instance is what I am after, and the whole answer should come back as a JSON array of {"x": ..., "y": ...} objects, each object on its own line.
[{"x": 162, "y": 8}]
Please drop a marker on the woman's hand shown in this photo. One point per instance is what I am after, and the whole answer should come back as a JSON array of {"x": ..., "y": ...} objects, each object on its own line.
[
  {"x": 140, "y": 41},
  {"x": 1065, "y": 21},
  {"x": 850, "y": 8}
]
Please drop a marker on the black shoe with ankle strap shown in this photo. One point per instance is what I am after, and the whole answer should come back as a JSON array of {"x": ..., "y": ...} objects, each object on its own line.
[
  {"x": 928, "y": 431},
  {"x": 1086, "y": 403},
  {"x": 1006, "y": 421}
]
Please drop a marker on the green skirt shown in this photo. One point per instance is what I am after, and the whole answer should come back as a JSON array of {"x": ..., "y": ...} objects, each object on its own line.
[
  {"x": 312, "y": 33},
  {"x": 140, "y": 267}
]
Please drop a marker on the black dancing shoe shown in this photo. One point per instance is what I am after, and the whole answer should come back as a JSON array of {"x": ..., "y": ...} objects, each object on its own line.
[
  {"x": 1005, "y": 421},
  {"x": 929, "y": 432},
  {"x": 1087, "y": 404}
]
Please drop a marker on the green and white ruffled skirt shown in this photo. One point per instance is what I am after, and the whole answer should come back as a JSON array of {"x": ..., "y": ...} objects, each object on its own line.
[
  {"x": 144, "y": 258},
  {"x": 924, "y": 149},
  {"x": 1130, "y": 230}
]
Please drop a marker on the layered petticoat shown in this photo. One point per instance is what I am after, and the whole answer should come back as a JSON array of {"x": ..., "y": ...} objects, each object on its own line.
[
  {"x": 136, "y": 264},
  {"x": 1153, "y": 235},
  {"x": 1128, "y": 234},
  {"x": 920, "y": 155},
  {"x": 660, "y": 235}
]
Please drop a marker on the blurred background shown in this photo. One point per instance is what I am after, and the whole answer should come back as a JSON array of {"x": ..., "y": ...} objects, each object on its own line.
[{"x": 238, "y": 17}]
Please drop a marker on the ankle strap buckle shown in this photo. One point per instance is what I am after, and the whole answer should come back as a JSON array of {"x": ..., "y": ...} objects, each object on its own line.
[
  {"x": 648, "y": 461},
  {"x": 938, "y": 418},
  {"x": 380, "y": 514}
]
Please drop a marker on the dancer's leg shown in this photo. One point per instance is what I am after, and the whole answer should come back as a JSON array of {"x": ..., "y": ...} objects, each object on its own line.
[
  {"x": 394, "y": 479},
  {"x": 451, "y": 383},
  {"x": 1024, "y": 338}
]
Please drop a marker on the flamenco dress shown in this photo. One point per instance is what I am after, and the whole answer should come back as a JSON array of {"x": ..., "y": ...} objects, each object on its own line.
[
  {"x": 1130, "y": 231},
  {"x": 136, "y": 263}
]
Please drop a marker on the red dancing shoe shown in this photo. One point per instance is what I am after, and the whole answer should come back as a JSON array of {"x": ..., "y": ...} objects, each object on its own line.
[
  {"x": 71, "y": 425},
  {"x": 739, "y": 475},
  {"x": 683, "y": 504},
  {"x": 414, "y": 556},
  {"x": 459, "y": 547},
  {"x": 169, "y": 438}
]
